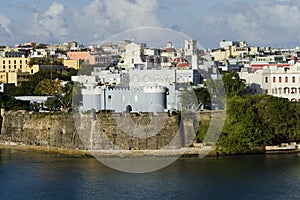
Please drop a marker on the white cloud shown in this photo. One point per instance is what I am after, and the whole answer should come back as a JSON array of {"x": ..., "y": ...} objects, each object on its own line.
[
  {"x": 55, "y": 10},
  {"x": 49, "y": 25},
  {"x": 266, "y": 22},
  {"x": 101, "y": 19}
]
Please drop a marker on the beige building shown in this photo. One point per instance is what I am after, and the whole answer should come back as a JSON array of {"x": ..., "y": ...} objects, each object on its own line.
[
  {"x": 14, "y": 64},
  {"x": 226, "y": 53},
  {"x": 75, "y": 64},
  {"x": 14, "y": 70},
  {"x": 14, "y": 77},
  {"x": 232, "y": 49}
]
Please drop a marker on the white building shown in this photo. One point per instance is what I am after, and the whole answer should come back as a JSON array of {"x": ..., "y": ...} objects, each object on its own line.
[
  {"x": 134, "y": 55},
  {"x": 143, "y": 99},
  {"x": 163, "y": 77},
  {"x": 190, "y": 47},
  {"x": 278, "y": 81}
]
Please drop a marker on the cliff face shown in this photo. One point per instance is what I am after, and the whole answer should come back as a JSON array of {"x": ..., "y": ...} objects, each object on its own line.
[{"x": 103, "y": 131}]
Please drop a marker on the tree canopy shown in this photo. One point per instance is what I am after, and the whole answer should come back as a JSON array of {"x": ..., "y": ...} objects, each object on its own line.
[
  {"x": 255, "y": 120},
  {"x": 42, "y": 83},
  {"x": 234, "y": 86}
]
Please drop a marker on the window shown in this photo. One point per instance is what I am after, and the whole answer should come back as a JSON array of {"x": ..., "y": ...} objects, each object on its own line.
[
  {"x": 280, "y": 79},
  {"x": 109, "y": 98},
  {"x": 286, "y": 79},
  {"x": 274, "y": 79},
  {"x": 20, "y": 61},
  {"x": 266, "y": 80},
  {"x": 293, "y": 79},
  {"x": 15, "y": 62},
  {"x": 135, "y": 98},
  {"x": 3, "y": 62},
  {"x": 132, "y": 60},
  {"x": 286, "y": 90}
]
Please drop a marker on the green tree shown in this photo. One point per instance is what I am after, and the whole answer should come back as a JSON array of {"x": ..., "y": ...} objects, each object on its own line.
[
  {"x": 56, "y": 88},
  {"x": 257, "y": 120},
  {"x": 234, "y": 86},
  {"x": 203, "y": 96}
]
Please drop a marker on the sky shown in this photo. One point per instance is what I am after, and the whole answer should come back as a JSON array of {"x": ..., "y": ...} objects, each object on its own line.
[{"x": 258, "y": 22}]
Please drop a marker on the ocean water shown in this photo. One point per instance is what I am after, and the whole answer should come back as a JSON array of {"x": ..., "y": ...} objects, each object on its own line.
[{"x": 30, "y": 175}]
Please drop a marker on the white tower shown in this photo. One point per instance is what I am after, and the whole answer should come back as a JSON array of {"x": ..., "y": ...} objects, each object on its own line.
[
  {"x": 169, "y": 45},
  {"x": 190, "y": 47},
  {"x": 190, "y": 50}
]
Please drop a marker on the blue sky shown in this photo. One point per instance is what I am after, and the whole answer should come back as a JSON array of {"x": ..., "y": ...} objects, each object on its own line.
[{"x": 259, "y": 22}]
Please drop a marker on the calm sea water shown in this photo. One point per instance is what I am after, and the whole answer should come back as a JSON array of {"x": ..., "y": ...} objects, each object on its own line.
[{"x": 28, "y": 175}]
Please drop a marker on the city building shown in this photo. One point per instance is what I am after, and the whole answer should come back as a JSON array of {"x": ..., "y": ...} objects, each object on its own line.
[
  {"x": 145, "y": 99},
  {"x": 279, "y": 81}
]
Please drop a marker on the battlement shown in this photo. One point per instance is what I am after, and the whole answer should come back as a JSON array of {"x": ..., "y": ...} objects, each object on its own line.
[{"x": 147, "y": 89}]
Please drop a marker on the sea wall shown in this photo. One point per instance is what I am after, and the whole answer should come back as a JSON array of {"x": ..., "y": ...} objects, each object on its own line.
[
  {"x": 102, "y": 131},
  {"x": 40, "y": 129}
]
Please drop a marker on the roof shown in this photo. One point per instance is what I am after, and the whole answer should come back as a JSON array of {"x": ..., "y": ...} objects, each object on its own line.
[
  {"x": 180, "y": 65},
  {"x": 37, "y": 99},
  {"x": 169, "y": 50}
]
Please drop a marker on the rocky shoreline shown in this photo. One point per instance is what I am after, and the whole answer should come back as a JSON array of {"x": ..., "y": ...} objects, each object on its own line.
[
  {"x": 189, "y": 152},
  {"x": 183, "y": 152}
]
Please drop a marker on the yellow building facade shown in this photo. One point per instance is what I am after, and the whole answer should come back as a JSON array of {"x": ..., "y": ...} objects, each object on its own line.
[
  {"x": 14, "y": 70},
  {"x": 14, "y": 64},
  {"x": 75, "y": 64}
]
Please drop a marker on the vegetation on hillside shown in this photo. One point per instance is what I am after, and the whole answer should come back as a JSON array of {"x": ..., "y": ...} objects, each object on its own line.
[
  {"x": 256, "y": 120},
  {"x": 45, "y": 61},
  {"x": 253, "y": 120}
]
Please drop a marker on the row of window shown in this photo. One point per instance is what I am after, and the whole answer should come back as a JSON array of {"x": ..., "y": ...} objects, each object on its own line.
[
  {"x": 9, "y": 67},
  {"x": 280, "y": 79},
  {"x": 15, "y": 62},
  {"x": 286, "y": 90}
]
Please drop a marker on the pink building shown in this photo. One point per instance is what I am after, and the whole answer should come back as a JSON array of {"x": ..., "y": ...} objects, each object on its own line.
[{"x": 81, "y": 55}]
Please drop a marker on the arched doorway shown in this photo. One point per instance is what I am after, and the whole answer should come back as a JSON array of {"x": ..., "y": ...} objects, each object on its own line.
[{"x": 128, "y": 108}]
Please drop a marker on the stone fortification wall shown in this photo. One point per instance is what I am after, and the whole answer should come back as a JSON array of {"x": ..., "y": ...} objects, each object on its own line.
[
  {"x": 40, "y": 129},
  {"x": 96, "y": 131}
]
